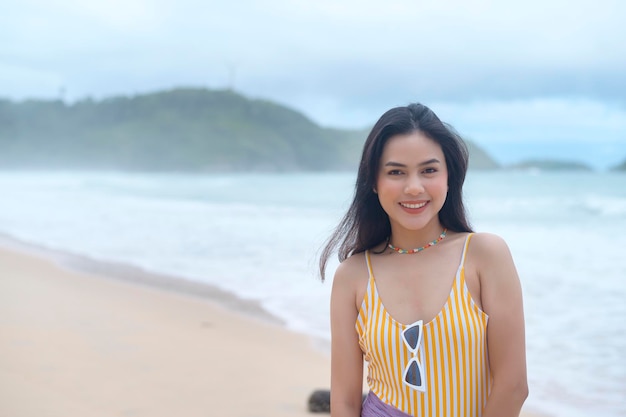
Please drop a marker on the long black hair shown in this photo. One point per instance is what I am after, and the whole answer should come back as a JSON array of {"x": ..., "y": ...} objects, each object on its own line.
[{"x": 366, "y": 225}]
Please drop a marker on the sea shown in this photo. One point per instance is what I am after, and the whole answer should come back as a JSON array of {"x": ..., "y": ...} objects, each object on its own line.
[{"x": 259, "y": 236}]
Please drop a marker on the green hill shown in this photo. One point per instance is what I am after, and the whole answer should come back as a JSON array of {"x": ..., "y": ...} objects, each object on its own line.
[
  {"x": 620, "y": 167},
  {"x": 186, "y": 129},
  {"x": 479, "y": 159}
]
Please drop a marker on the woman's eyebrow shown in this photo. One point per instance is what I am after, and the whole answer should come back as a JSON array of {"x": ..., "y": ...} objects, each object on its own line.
[{"x": 398, "y": 164}]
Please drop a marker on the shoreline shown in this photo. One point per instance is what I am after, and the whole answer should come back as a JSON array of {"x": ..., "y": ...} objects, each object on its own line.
[
  {"x": 87, "y": 337},
  {"x": 135, "y": 275}
]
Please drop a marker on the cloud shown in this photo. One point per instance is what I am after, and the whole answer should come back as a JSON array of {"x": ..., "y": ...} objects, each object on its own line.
[{"x": 342, "y": 63}]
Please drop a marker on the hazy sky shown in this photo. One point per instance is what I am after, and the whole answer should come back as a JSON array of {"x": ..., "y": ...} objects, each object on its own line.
[{"x": 508, "y": 74}]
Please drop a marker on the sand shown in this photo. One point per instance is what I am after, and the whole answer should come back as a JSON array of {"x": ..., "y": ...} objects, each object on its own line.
[{"x": 79, "y": 338}]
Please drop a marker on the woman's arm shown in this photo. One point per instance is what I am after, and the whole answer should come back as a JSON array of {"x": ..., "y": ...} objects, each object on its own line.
[
  {"x": 501, "y": 297},
  {"x": 346, "y": 385}
]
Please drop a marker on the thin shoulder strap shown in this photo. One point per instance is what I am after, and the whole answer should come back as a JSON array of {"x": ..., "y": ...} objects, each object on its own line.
[
  {"x": 467, "y": 240},
  {"x": 369, "y": 263}
]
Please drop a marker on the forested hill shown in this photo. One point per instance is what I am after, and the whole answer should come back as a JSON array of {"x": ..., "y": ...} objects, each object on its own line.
[
  {"x": 620, "y": 167},
  {"x": 181, "y": 129}
]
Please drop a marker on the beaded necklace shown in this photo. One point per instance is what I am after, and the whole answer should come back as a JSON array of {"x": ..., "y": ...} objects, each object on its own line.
[{"x": 416, "y": 250}]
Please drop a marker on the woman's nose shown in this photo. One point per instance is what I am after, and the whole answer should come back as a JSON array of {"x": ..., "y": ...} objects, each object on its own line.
[{"x": 413, "y": 186}]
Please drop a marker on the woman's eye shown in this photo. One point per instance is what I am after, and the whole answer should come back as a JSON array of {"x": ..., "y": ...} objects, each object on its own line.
[
  {"x": 395, "y": 172},
  {"x": 430, "y": 170}
]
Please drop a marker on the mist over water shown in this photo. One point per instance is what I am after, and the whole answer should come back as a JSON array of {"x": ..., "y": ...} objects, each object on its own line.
[
  {"x": 259, "y": 237},
  {"x": 600, "y": 157}
]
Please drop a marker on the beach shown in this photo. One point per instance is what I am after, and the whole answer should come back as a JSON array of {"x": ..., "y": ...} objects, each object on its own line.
[
  {"x": 119, "y": 291},
  {"x": 74, "y": 343},
  {"x": 80, "y": 344}
]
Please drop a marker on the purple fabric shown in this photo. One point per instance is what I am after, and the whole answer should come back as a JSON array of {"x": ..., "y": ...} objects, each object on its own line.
[{"x": 374, "y": 407}]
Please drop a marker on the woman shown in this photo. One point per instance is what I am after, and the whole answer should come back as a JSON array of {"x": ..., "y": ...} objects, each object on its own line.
[{"x": 434, "y": 309}]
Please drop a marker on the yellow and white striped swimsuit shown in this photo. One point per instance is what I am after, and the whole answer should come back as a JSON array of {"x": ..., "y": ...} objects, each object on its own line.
[{"x": 453, "y": 354}]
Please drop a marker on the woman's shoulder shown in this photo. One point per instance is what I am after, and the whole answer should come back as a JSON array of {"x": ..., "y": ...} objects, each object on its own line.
[
  {"x": 352, "y": 265},
  {"x": 489, "y": 254},
  {"x": 487, "y": 245},
  {"x": 352, "y": 270}
]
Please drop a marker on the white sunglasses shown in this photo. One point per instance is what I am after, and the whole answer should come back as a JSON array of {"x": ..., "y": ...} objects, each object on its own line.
[{"x": 413, "y": 374}]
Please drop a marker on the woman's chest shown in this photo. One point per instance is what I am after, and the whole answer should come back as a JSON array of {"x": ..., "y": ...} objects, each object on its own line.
[{"x": 411, "y": 297}]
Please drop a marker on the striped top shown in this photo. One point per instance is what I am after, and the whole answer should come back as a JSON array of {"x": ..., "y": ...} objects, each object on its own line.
[{"x": 452, "y": 354}]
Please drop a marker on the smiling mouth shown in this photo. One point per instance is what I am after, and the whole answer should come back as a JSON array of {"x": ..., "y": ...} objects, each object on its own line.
[{"x": 413, "y": 205}]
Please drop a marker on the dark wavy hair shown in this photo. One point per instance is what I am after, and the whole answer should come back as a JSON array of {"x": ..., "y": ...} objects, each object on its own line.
[{"x": 366, "y": 224}]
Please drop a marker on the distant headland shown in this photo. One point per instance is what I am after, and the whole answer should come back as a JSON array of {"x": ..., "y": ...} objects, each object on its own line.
[{"x": 183, "y": 129}]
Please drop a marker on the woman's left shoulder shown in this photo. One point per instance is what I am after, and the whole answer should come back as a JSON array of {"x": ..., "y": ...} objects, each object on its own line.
[
  {"x": 488, "y": 252},
  {"x": 487, "y": 245},
  {"x": 491, "y": 259}
]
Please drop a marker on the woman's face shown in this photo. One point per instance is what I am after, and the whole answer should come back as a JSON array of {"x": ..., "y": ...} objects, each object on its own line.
[{"x": 412, "y": 182}]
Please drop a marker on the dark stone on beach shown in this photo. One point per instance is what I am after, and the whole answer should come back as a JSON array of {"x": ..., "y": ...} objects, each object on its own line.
[{"x": 319, "y": 401}]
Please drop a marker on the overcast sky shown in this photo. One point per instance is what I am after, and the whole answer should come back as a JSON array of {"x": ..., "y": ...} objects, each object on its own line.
[{"x": 505, "y": 74}]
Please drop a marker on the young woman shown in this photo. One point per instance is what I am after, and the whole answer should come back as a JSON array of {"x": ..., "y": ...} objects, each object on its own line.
[{"x": 434, "y": 309}]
